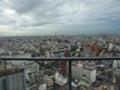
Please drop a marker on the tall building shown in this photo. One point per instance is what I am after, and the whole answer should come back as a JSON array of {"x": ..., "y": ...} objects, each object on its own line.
[
  {"x": 12, "y": 79},
  {"x": 118, "y": 79},
  {"x": 80, "y": 71},
  {"x": 63, "y": 67}
]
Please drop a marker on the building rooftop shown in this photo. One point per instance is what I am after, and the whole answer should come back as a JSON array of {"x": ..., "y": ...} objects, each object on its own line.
[
  {"x": 10, "y": 72},
  {"x": 89, "y": 68}
]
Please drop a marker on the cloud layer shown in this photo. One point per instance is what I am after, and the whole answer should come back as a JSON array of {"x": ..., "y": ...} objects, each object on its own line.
[{"x": 45, "y": 17}]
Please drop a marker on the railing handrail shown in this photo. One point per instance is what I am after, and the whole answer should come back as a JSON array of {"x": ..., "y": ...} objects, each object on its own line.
[{"x": 62, "y": 58}]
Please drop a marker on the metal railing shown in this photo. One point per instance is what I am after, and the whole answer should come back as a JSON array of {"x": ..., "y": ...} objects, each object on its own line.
[{"x": 63, "y": 58}]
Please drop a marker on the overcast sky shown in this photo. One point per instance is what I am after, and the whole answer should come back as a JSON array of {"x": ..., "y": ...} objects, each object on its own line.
[{"x": 45, "y": 17}]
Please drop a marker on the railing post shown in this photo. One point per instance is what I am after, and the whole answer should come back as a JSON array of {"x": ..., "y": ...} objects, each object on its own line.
[{"x": 70, "y": 76}]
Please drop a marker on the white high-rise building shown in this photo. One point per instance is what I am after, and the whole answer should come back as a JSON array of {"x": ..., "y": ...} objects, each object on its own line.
[{"x": 79, "y": 71}]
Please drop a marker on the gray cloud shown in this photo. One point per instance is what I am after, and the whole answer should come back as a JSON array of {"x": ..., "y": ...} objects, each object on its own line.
[
  {"x": 24, "y": 6},
  {"x": 60, "y": 15}
]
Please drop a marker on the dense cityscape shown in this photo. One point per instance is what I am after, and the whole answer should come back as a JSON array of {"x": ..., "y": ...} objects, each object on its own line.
[
  {"x": 30, "y": 75},
  {"x": 61, "y": 46},
  {"x": 96, "y": 75},
  {"x": 53, "y": 75}
]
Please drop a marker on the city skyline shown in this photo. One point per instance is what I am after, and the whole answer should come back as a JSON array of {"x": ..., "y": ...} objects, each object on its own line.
[{"x": 47, "y": 17}]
